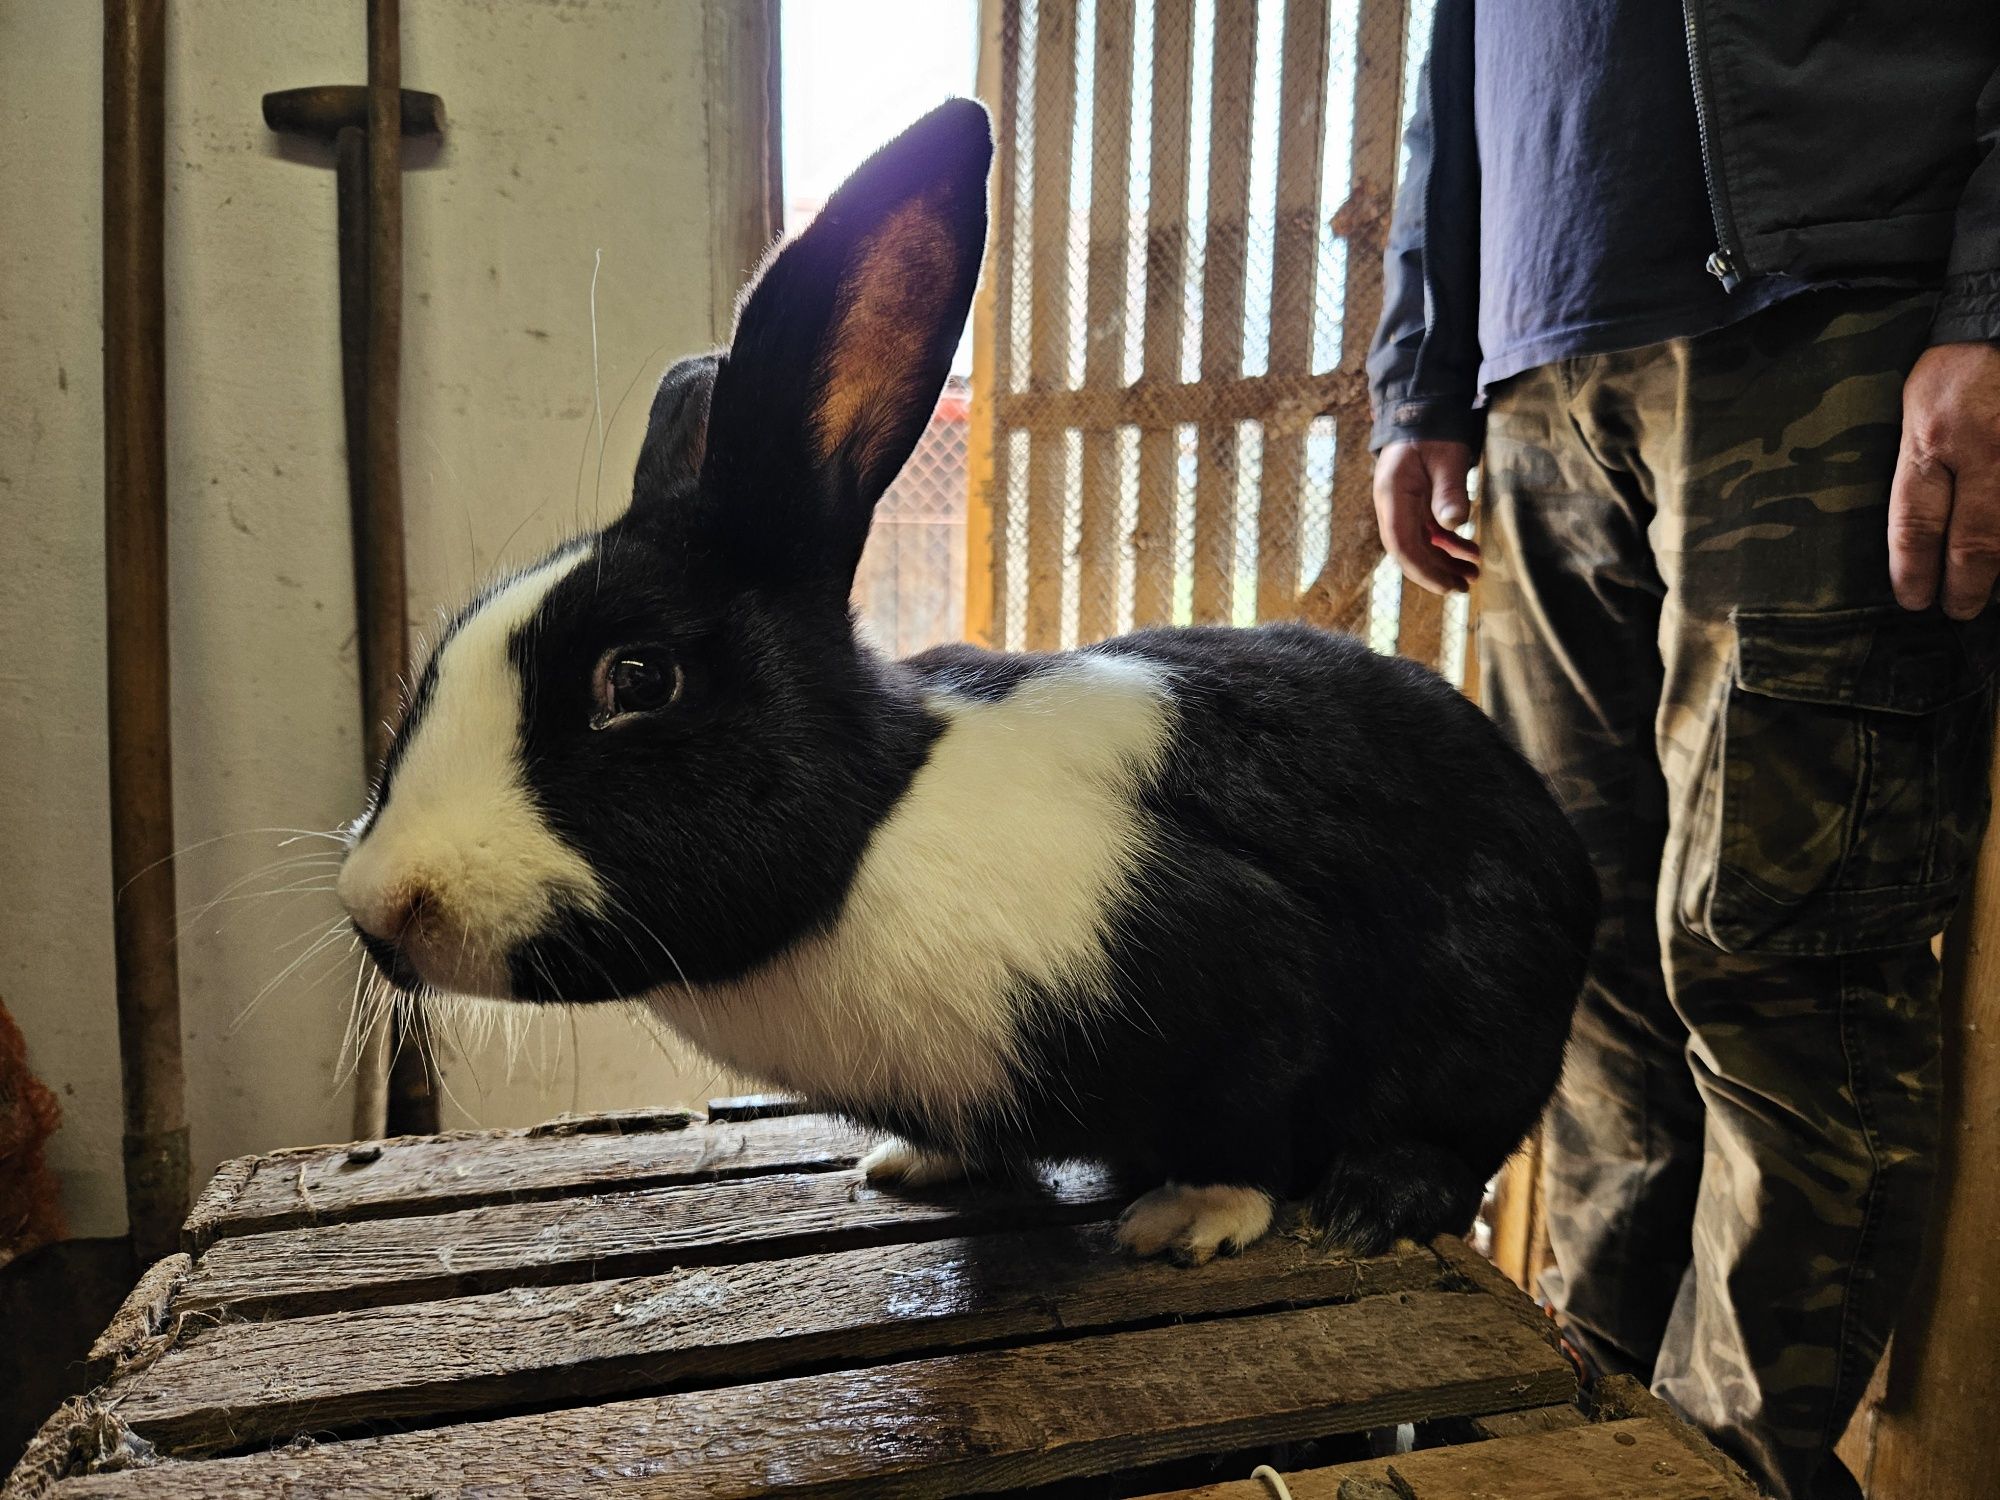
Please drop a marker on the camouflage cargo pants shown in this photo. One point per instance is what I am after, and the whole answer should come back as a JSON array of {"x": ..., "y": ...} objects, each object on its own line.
[{"x": 1687, "y": 623}]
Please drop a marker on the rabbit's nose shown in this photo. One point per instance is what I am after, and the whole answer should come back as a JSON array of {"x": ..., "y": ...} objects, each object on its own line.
[{"x": 387, "y": 916}]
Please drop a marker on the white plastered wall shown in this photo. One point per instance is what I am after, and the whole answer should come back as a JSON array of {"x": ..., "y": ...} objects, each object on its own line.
[{"x": 572, "y": 128}]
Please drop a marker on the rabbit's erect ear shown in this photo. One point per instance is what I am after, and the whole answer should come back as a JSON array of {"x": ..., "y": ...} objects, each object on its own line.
[
  {"x": 842, "y": 345},
  {"x": 676, "y": 430}
]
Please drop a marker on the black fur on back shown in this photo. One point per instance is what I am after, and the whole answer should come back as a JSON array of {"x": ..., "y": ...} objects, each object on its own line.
[{"x": 1350, "y": 968}]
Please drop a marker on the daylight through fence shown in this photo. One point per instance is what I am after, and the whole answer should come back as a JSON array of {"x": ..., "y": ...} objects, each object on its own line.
[{"x": 1190, "y": 207}]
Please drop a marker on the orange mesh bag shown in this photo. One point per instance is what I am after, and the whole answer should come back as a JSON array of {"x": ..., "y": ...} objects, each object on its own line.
[{"x": 30, "y": 1210}]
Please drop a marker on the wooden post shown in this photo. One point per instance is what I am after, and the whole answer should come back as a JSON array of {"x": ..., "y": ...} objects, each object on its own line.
[
  {"x": 1294, "y": 299},
  {"x": 1927, "y": 1429},
  {"x": 1104, "y": 315},
  {"x": 1048, "y": 304},
  {"x": 1166, "y": 276},
  {"x": 136, "y": 625},
  {"x": 383, "y": 593},
  {"x": 992, "y": 327},
  {"x": 1341, "y": 594},
  {"x": 745, "y": 162},
  {"x": 1232, "y": 81}
]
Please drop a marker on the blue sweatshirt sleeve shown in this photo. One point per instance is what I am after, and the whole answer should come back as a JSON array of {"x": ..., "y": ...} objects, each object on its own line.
[
  {"x": 1423, "y": 365},
  {"x": 1970, "y": 308}
]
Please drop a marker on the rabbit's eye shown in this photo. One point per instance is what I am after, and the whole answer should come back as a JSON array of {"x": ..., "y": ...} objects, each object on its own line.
[{"x": 639, "y": 681}]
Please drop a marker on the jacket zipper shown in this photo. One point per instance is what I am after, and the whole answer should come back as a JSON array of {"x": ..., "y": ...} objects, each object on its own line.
[{"x": 1724, "y": 263}]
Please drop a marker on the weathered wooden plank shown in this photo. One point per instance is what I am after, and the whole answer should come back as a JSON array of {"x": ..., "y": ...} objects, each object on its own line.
[
  {"x": 140, "y": 1317},
  {"x": 1478, "y": 1274},
  {"x": 1631, "y": 1460},
  {"x": 1522, "y": 1423},
  {"x": 951, "y": 1425},
  {"x": 1614, "y": 1398},
  {"x": 1104, "y": 314},
  {"x": 1165, "y": 308},
  {"x": 1339, "y": 598},
  {"x": 1420, "y": 625},
  {"x": 247, "y": 1385},
  {"x": 988, "y": 561},
  {"x": 1048, "y": 309},
  {"x": 328, "y": 1268},
  {"x": 215, "y": 1201},
  {"x": 61, "y": 1445},
  {"x": 1469, "y": 680},
  {"x": 1233, "y": 83},
  {"x": 439, "y": 1174},
  {"x": 1517, "y": 1212},
  {"x": 1294, "y": 296},
  {"x": 1151, "y": 404},
  {"x": 1504, "y": 1424}
]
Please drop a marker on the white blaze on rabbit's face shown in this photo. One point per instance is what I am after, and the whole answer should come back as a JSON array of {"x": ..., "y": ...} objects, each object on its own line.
[
  {"x": 995, "y": 879},
  {"x": 457, "y": 864}
]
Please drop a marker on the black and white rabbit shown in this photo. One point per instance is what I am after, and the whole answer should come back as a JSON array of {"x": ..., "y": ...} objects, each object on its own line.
[{"x": 1247, "y": 915}]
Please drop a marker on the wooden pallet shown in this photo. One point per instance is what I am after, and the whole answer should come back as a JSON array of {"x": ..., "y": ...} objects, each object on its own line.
[{"x": 668, "y": 1305}]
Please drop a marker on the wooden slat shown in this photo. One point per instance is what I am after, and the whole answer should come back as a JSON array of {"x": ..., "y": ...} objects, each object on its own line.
[
  {"x": 437, "y": 1174},
  {"x": 1617, "y": 1398},
  {"x": 1517, "y": 1213},
  {"x": 1293, "y": 400},
  {"x": 1294, "y": 299},
  {"x": 1929, "y": 1430},
  {"x": 1469, "y": 679},
  {"x": 1420, "y": 625},
  {"x": 1475, "y": 1273},
  {"x": 382, "y": 1261},
  {"x": 1340, "y": 596},
  {"x": 140, "y": 1317},
  {"x": 247, "y": 1385},
  {"x": 1048, "y": 293},
  {"x": 1630, "y": 1460},
  {"x": 1166, "y": 283},
  {"x": 957, "y": 1424},
  {"x": 1233, "y": 79},
  {"x": 1104, "y": 313},
  {"x": 1522, "y": 1423},
  {"x": 740, "y": 44},
  {"x": 1002, "y": 633},
  {"x": 992, "y": 333}
]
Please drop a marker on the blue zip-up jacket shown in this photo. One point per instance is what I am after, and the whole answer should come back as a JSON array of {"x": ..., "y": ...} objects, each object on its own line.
[{"x": 1849, "y": 141}]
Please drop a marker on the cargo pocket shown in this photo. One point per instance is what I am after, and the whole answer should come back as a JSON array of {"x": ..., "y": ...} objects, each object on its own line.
[{"x": 1849, "y": 783}]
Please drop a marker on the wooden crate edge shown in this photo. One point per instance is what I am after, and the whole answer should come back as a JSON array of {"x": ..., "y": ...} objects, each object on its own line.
[{"x": 1615, "y": 1397}]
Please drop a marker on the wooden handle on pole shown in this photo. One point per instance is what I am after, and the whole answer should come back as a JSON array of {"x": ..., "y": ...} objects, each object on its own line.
[{"x": 135, "y": 567}]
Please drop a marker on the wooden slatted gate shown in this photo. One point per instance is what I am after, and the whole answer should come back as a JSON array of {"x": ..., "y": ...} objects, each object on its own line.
[
  {"x": 1169, "y": 403},
  {"x": 1190, "y": 202}
]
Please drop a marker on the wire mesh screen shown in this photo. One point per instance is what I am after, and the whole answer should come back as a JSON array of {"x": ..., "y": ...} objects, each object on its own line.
[
  {"x": 909, "y": 593},
  {"x": 1191, "y": 203}
]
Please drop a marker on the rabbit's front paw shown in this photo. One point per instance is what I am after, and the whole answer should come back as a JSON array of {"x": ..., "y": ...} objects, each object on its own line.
[
  {"x": 1193, "y": 1224},
  {"x": 904, "y": 1165}
]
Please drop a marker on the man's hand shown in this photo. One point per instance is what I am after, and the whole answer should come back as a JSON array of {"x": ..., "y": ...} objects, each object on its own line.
[
  {"x": 1419, "y": 498},
  {"x": 1944, "y": 506}
]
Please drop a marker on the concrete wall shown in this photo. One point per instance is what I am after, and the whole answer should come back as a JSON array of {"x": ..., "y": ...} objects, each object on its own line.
[{"x": 573, "y": 128}]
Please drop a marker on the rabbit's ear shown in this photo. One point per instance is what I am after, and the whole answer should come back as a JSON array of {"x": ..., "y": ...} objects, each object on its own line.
[
  {"x": 842, "y": 345},
  {"x": 676, "y": 431}
]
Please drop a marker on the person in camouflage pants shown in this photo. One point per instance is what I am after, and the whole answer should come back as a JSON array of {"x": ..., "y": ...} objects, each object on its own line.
[
  {"x": 1687, "y": 623},
  {"x": 1716, "y": 286}
]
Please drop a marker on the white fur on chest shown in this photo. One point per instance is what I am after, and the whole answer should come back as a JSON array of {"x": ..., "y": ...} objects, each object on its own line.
[{"x": 998, "y": 870}]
